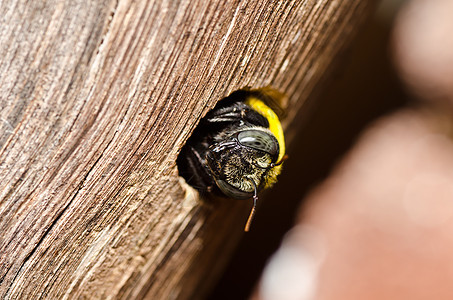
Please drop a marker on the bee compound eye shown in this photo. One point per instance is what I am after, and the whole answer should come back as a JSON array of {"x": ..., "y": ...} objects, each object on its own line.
[{"x": 259, "y": 140}]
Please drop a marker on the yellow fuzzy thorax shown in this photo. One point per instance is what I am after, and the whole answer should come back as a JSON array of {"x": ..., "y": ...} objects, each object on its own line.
[
  {"x": 276, "y": 128},
  {"x": 274, "y": 123}
]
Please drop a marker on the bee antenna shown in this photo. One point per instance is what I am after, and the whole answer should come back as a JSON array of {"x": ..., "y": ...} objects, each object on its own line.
[{"x": 253, "y": 211}]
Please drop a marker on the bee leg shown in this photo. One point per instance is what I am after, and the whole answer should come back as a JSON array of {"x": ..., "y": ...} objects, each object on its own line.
[
  {"x": 229, "y": 113},
  {"x": 194, "y": 170},
  {"x": 236, "y": 112}
]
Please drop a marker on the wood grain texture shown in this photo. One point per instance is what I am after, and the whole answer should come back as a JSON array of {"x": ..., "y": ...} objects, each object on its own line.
[{"x": 97, "y": 98}]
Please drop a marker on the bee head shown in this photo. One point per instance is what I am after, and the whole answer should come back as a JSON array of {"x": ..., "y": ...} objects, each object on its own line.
[{"x": 239, "y": 163}]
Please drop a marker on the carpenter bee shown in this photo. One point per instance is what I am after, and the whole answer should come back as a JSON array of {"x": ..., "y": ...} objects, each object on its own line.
[{"x": 238, "y": 147}]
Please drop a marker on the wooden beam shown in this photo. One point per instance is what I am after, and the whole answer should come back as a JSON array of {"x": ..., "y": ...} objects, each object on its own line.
[{"x": 98, "y": 97}]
